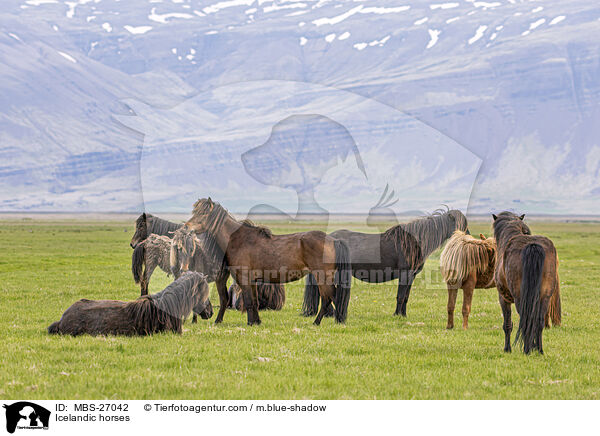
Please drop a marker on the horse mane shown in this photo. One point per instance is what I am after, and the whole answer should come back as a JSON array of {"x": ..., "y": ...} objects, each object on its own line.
[
  {"x": 261, "y": 229},
  {"x": 215, "y": 215},
  {"x": 463, "y": 254},
  {"x": 421, "y": 237},
  {"x": 160, "y": 226},
  {"x": 506, "y": 225},
  {"x": 166, "y": 309}
]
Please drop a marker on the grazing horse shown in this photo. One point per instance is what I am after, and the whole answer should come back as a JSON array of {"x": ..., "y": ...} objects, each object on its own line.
[
  {"x": 147, "y": 224},
  {"x": 254, "y": 255},
  {"x": 151, "y": 252},
  {"x": 270, "y": 296},
  {"x": 526, "y": 274},
  {"x": 467, "y": 263},
  {"x": 149, "y": 314},
  {"x": 398, "y": 253}
]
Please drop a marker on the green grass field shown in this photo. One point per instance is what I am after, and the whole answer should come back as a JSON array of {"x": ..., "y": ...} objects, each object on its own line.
[{"x": 46, "y": 266}]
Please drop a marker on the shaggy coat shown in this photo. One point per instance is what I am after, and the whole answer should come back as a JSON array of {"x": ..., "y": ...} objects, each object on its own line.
[
  {"x": 467, "y": 263},
  {"x": 153, "y": 251},
  {"x": 164, "y": 311},
  {"x": 195, "y": 252}
]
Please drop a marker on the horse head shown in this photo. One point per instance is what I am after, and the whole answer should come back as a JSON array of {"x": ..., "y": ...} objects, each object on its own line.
[{"x": 141, "y": 230}]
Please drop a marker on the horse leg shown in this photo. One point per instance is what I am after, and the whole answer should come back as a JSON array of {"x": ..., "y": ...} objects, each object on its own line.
[
  {"x": 250, "y": 295},
  {"x": 221, "y": 283},
  {"x": 325, "y": 306},
  {"x": 400, "y": 298},
  {"x": 468, "y": 289},
  {"x": 405, "y": 282},
  {"x": 148, "y": 271},
  {"x": 545, "y": 305},
  {"x": 452, "y": 292},
  {"x": 407, "y": 294},
  {"x": 254, "y": 288},
  {"x": 507, "y": 326}
]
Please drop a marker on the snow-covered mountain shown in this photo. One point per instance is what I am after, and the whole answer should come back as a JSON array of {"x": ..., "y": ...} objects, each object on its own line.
[{"x": 515, "y": 83}]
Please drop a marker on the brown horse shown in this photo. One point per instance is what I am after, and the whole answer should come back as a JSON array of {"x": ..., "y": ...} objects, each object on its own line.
[
  {"x": 164, "y": 311},
  {"x": 153, "y": 251},
  {"x": 254, "y": 255},
  {"x": 193, "y": 252},
  {"x": 467, "y": 263},
  {"x": 270, "y": 296},
  {"x": 526, "y": 274}
]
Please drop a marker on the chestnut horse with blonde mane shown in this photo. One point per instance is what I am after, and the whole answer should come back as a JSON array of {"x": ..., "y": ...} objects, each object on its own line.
[
  {"x": 469, "y": 263},
  {"x": 254, "y": 255},
  {"x": 526, "y": 274}
]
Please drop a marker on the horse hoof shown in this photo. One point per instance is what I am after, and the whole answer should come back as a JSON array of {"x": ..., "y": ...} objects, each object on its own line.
[{"x": 449, "y": 327}]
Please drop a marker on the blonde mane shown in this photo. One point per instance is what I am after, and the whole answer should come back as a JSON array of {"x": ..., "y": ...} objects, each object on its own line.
[{"x": 463, "y": 254}]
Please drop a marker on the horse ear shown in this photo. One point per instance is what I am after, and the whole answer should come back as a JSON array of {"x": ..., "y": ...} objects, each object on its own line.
[
  {"x": 483, "y": 238},
  {"x": 144, "y": 215},
  {"x": 522, "y": 217},
  {"x": 495, "y": 217}
]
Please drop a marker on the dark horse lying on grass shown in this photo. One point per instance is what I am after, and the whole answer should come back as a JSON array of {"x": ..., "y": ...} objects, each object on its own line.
[
  {"x": 149, "y": 314},
  {"x": 147, "y": 224},
  {"x": 153, "y": 251},
  {"x": 526, "y": 274},
  {"x": 399, "y": 253},
  {"x": 254, "y": 255}
]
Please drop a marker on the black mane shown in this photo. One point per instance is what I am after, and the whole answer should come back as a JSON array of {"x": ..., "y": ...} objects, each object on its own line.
[{"x": 160, "y": 226}]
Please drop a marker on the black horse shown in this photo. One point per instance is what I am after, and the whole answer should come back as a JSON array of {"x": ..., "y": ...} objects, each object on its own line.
[
  {"x": 398, "y": 253},
  {"x": 147, "y": 224}
]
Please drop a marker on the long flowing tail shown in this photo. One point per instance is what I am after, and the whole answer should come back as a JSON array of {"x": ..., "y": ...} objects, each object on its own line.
[
  {"x": 531, "y": 323},
  {"x": 138, "y": 259},
  {"x": 310, "y": 306},
  {"x": 555, "y": 311},
  {"x": 53, "y": 328},
  {"x": 343, "y": 280}
]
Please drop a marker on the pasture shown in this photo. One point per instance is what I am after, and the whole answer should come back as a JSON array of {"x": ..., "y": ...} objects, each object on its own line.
[{"x": 46, "y": 266}]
